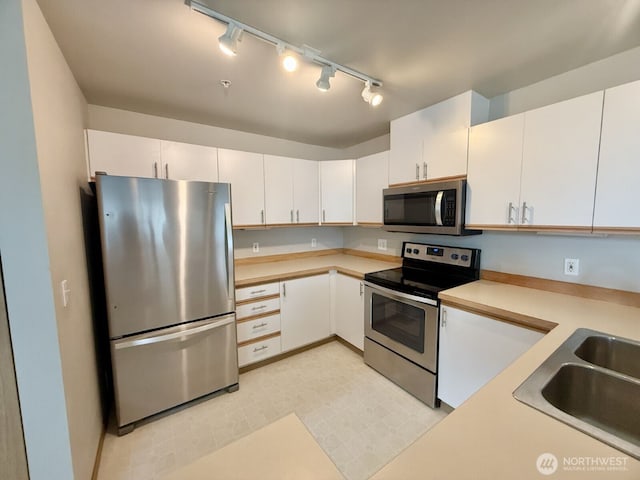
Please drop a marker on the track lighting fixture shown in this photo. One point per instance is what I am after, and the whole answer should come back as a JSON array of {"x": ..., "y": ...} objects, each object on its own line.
[
  {"x": 229, "y": 41},
  {"x": 372, "y": 98},
  {"x": 289, "y": 60},
  {"x": 323, "y": 82},
  {"x": 290, "y": 54}
]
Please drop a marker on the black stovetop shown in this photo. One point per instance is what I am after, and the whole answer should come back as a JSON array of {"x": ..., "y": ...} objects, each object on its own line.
[{"x": 425, "y": 275}]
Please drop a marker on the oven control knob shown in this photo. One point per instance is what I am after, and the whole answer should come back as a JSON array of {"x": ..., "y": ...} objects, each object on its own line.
[
  {"x": 464, "y": 258},
  {"x": 454, "y": 256},
  {"x": 408, "y": 250},
  {"x": 416, "y": 251}
]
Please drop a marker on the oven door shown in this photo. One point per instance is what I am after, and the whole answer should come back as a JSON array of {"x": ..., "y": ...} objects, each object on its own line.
[{"x": 405, "y": 324}]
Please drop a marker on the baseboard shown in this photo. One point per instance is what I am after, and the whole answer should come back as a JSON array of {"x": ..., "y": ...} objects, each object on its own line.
[{"x": 96, "y": 463}]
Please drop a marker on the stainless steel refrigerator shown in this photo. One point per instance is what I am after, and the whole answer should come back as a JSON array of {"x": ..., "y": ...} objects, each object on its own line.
[{"x": 167, "y": 250}]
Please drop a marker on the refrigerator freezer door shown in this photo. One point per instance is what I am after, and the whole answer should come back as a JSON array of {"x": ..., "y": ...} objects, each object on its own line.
[
  {"x": 165, "y": 247},
  {"x": 159, "y": 370}
]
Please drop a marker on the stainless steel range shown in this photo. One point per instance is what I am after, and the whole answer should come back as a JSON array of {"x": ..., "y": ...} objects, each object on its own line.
[{"x": 401, "y": 314}]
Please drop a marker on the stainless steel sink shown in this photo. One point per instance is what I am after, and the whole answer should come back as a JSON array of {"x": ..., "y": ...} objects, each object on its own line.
[{"x": 592, "y": 383}]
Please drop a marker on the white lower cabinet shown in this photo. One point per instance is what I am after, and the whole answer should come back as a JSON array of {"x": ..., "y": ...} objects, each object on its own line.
[
  {"x": 473, "y": 350},
  {"x": 348, "y": 309},
  {"x": 305, "y": 310}
]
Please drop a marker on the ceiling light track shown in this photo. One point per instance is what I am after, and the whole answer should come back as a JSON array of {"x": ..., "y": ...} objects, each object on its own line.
[{"x": 235, "y": 29}]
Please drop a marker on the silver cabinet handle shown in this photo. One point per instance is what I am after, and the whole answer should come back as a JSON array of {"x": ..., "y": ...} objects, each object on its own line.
[
  {"x": 255, "y": 292},
  {"x": 424, "y": 170},
  {"x": 324, "y": 216},
  {"x": 417, "y": 172},
  {"x": 510, "y": 217},
  {"x": 361, "y": 288},
  {"x": 260, "y": 325},
  {"x": 291, "y": 216},
  {"x": 443, "y": 320},
  {"x": 182, "y": 334},
  {"x": 524, "y": 212},
  {"x": 284, "y": 289},
  {"x": 262, "y": 216},
  {"x": 259, "y": 349},
  {"x": 298, "y": 216},
  {"x": 155, "y": 169},
  {"x": 166, "y": 170},
  {"x": 261, "y": 307}
]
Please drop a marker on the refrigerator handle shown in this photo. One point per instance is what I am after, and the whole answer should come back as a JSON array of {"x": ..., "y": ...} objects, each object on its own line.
[
  {"x": 229, "y": 235},
  {"x": 183, "y": 334}
]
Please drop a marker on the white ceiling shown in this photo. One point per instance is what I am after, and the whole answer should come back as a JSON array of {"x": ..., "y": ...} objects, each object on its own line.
[{"x": 161, "y": 58}]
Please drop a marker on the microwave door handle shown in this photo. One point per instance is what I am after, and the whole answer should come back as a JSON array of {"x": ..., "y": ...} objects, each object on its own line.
[{"x": 439, "y": 207}]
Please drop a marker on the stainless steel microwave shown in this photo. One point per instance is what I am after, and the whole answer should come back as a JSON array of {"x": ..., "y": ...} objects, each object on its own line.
[{"x": 436, "y": 207}]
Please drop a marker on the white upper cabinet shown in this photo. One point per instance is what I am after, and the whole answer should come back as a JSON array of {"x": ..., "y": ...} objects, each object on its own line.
[
  {"x": 184, "y": 161},
  {"x": 493, "y": 177},
  {"x": 371, "y": 178},
  {"x": 291, "y": 190},
  {"x": 617, "y": 194},
  {"x": 432, "y": 142},
  {"x": 245, "y": 172},
  {"x": 306, "y": 195},
  {"x": 336, "y": 191},
  {"x": 126, "y": 155},
  {"x": 278, "y": 190},
  {"x": 559, "y": 163}
]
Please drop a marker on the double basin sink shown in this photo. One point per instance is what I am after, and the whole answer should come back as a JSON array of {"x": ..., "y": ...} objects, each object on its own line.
[{"x": 592, "y": 383}]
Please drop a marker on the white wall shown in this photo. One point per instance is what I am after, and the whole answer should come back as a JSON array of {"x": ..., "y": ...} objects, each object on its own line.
[
  {"x": 25, "y": 258},
  {"x": 276, "y": 241},
  {"x": 609, "y": 72},
  {"x": 59, "y": 114}
]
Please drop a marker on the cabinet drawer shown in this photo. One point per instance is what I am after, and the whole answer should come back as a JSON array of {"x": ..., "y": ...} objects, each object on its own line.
[
  {"x": 258, "y": 328},
  {"x": 257, "y": 291},
  {"x": 257, "y": 308},
  {"x": 254, "y": 352}
]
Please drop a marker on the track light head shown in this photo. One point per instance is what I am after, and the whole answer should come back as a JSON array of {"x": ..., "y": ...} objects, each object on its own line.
[
  {"x": 229, "y": 41},
  {"x": 372, "y": 98},
  {"x": 323, "y": 84},
  {"x": 289, "y": 59}
]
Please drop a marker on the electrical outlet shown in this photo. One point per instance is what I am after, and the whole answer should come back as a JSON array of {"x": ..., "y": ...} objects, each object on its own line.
[
  {"x": 382, "y": 244},
  {"x": 314, "y": 243},
  {"x": 256, "y": 247},
  {"x": 571, "y": 266}
]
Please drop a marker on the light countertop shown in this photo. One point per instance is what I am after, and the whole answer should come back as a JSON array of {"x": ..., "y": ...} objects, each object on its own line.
[{"x": 492, "y": 435}]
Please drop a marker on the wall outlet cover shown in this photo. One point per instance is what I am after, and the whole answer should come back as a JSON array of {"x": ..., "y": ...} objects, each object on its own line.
[
  {"x": 382, "y": 244},
  {"x": 571, "y": 266},
  {"x": 314, "y": 243},
  {"x": 256, "y": 247}
]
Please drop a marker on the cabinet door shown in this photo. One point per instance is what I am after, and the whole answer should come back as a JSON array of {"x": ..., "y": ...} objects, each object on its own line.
[
  {"x": 304, "y": 311},
  {"x": 559, "y": 163},
  {"x": 183, "y": 161},
  {"x": 493, "y": 178},
  {"x": 349, "y": 310},
  {"x": 306, "y": 197},
  {"x": 245, "y": 172},
  {"x": 473, "y": 350},
  {"x": 444, "y": 153},
  {"x": 405, "y": 154},
  {"x": 336, "y": 187},
  {"x": 617, "y": 194},
  {"x": 125, "y": 155},
  {"x": 278, "y": 189},
  {"x": 372, "y": 176}
]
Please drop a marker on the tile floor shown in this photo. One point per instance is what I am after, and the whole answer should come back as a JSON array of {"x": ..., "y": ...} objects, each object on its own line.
[{"x": 359, "y": 418}]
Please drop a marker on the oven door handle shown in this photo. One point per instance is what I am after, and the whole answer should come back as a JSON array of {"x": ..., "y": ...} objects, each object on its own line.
[{"x": 401, "y": 295}]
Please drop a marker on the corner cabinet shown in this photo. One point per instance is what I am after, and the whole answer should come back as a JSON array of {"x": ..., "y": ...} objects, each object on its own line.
[
  {"x": 348, "y": 309},
  {"x": 432, "y": 143},
  {"x": 305, "y": 310},
  {"x": 245, "y": 172},
  {"x": 617, "y": 193},
  {"x": 372, "y": 176},
  {"x": 473, "y": 350},
  {"x": 336, "y": 192}
]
